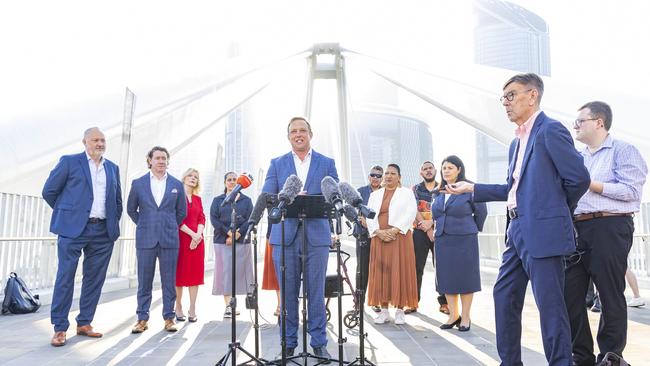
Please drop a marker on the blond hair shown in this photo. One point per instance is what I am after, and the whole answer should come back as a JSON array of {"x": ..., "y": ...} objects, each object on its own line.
[{"x": 189, "y": 171}]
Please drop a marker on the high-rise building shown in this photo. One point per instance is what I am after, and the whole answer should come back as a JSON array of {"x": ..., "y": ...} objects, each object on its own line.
[
  {"x": 239, "y": 150},
  {"x": 511, "y": 37},
  {"x": 381, "y": 135}
]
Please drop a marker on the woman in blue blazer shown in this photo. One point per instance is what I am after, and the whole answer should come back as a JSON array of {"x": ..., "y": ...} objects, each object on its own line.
[
  {"x": 220, "y": 217},
  {"x": 458, "y": 220}
]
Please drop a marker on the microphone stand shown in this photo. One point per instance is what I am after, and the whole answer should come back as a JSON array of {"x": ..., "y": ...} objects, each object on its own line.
[
  {"x": 339, "y": 285},
  {"x": 234, "y": 343},
  {"x": 256, "y": 308},
  {"x": 361, "y": 297}
]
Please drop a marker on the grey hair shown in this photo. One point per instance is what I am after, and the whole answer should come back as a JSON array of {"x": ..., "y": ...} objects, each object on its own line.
[{"x": 90, "y": 130}]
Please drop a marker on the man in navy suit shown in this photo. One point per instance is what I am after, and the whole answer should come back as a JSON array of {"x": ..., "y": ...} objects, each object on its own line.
[
  {"x": 85, "y": 195},
  {"x": 311, "y": 167},
  {"x": 363, "y": 242},
  {"x": 158, "y": 206},
  {"x": 546, "y": 178}
]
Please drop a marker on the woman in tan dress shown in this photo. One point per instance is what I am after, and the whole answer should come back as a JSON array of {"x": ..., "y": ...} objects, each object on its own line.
[{"x": 392, "y": 279}]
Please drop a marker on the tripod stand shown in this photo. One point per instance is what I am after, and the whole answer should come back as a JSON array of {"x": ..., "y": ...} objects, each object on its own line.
[
  {"x": 234, "y": 343},
  {"x": 363, "y": 240},
  {"x": 304, "y": 207},
  {"x": 339, "y": 284}
]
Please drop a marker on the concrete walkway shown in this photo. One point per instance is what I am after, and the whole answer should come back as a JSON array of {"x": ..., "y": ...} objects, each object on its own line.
[{"x": 418, "y": 342}]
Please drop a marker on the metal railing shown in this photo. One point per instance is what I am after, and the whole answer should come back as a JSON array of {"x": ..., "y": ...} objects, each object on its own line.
[
  {"x": 492, "y": 243},
  {"x": 28, "y": 248}
]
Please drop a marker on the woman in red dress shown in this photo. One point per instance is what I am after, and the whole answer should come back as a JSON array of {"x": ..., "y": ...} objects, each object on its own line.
[{"x": 191, "y": 253}]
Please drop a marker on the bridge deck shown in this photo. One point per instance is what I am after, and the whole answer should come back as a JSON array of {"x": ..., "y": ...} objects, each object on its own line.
[{"x": 418, "y": 342}]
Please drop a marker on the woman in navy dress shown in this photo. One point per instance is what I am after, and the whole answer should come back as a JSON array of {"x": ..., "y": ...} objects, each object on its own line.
[{"x": 458, "y": 220}]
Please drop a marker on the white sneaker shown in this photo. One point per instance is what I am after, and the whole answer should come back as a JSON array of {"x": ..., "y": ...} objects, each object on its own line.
[
  {"x": 400, "y": 317},
  {"x": 383, "y": 317},
  {"x": 228, "y": 312},
  {"x": 636, "y": 302}
]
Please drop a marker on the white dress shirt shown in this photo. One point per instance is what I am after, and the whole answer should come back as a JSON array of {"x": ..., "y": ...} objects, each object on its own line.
[
  {"x": 158, "y": 187},
  {"x": 302, "y": 166},
  {"x": 98, "y": 178}
]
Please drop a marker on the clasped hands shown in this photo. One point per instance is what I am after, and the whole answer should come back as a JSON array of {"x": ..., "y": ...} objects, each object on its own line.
[
  {"x": 387, "y": 235},
  {"x": 196, "y": 239},
  {"x": 229, "y": 239}
]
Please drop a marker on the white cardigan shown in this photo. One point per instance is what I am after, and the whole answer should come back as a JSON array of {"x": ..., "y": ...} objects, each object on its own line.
[{"x": 401, "y": 211}]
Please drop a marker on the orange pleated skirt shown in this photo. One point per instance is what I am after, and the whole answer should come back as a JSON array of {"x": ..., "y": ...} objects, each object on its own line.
[{"x": 269, "y": 276}]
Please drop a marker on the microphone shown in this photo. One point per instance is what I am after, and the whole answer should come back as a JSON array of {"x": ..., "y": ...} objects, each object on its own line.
[
  {"x": 350, "y": 213},
  {"x": 353, "y": 198},
  {"x": 256, "y": 214},
  {"x": 258, "y": 209},
  {"x": 332, "y": 193},
  {"x": 243, "y": 181},
  {"x": 290, "y": 190}
]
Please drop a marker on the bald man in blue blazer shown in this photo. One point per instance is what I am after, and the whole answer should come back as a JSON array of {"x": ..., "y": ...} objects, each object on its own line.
[
  {"x": 311, "y": 167},
  {"x": 85, "y": 195},
  {"x": 546, "y": 178}
]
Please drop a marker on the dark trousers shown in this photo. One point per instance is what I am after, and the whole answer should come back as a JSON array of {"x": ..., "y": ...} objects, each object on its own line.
[
  {"x": 606, "y": 242},
  {"x": 313, "y": 279},
  {"x": 546, "y": 276},
  {"x": 423, "y": 246},
  {"x": 363, "y": 253},
  {"x": 97, "y": 250},
  {"x": 167, "y": 261}
]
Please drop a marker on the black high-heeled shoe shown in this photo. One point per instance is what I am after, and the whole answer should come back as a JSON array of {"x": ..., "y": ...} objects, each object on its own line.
[
  {"x": 449, "y": 326},
  {"x": 462, "y": 328}
]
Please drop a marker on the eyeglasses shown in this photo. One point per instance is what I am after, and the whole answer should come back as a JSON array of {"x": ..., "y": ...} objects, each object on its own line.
[
  {"x": 375, "y": 175},
  {"x": 511, "y": 95},
  {"x": 578, "y": 122}
]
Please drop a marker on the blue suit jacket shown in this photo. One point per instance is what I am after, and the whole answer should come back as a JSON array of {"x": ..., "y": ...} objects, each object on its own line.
[
  {"x": 69, "y": 191},
  {"x": 317, "y": 230},
  {"x": 156, "y": 224},
  {"x": 460, "y": 216},
  {"x": 365, "y": 193},
  {"x": 553, "y": 178}
]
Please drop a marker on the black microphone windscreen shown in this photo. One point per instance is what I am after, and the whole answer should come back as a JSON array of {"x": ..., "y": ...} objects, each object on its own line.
[
  {"x": 291, "y": 189},
  {"x": 349, "y": 194},
  {"x": 258, "y": 210},
  {"x": 350, "y": 213},
  {"x": 330, "y": 188}
]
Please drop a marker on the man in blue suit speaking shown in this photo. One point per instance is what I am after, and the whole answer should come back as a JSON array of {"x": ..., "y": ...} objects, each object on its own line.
[
  {"x": 85, "y": 195},
  {"x": 546, "y": 178},
  {"x": 157, "y": 205},
  {"x": 311, "y": 167}
]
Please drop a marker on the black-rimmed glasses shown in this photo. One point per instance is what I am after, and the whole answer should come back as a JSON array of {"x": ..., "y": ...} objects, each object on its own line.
[
  {"x": 510, "y": 96},
  {"x": 579, "y": 121}
]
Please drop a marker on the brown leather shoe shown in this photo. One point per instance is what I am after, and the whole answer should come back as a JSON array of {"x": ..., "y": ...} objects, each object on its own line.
[
  {"x": 87, "y": 330},
  {"x": 140, "y": 326},
  {"x": 58, "y": 339},
  {"x": 170, "y": 326}
]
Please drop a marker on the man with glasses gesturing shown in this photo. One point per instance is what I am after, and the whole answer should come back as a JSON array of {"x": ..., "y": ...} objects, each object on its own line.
[{"x": 546, "y": 178}]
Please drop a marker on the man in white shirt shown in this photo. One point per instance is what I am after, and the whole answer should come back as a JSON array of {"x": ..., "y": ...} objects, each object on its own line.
[{"x": 157, "y": 206}]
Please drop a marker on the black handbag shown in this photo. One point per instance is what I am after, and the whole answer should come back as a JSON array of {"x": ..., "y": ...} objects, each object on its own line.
[
  {"x": 612, "y": 359},
  {"x": 18, "y": 298}
]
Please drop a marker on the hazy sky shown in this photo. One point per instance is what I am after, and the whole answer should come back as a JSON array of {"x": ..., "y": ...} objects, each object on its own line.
[{"x": 58, "y": 52}]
